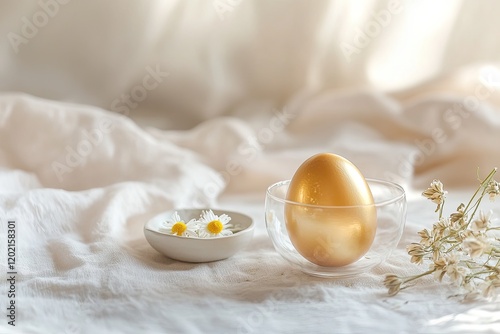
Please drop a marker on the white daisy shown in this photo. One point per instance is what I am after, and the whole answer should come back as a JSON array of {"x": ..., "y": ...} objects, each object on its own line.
[
  {"x": 175, "y": 225},
  {"x": 212, "y": 225}
]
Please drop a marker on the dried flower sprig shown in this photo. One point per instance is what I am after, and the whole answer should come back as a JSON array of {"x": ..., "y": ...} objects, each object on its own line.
[
  {"x": 209, "y": 225},
  {"x": 463, "y": 247}
]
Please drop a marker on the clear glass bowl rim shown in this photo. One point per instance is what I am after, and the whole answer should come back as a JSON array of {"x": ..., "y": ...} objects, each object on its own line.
[{"x": 369, "y": 180}]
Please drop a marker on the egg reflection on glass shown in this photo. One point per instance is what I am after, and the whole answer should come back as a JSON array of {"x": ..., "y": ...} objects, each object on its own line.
[{"x": 330, "y": 215}]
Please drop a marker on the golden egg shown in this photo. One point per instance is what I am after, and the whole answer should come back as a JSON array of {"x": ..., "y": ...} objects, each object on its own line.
[{"x": 330, "y": 214}]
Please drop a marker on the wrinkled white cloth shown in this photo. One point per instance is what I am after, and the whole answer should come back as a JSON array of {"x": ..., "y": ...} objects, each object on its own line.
[
  {"x": 80, "y": 183},
  {"x": 226, "y": 56}
]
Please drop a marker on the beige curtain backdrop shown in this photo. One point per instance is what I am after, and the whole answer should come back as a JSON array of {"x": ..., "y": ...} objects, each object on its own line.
[{"x": 236, "y": 57}]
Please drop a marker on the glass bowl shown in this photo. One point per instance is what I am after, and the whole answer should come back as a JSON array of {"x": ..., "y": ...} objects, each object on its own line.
[{"x": 390, "y": 204}]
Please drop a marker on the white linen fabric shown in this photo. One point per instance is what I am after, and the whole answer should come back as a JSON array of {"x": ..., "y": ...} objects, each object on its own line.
[
  {"x": 223, "y": 99},
  {"x": 231, "y": 57},
  {"x": 80, "y": 182}
]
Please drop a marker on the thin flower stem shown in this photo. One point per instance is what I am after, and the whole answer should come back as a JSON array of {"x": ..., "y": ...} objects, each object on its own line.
[
  {"x": 471, "y": 199},
  {"x": 472, "y": 265},
  {"x": 494, "y": 268},
  {"x": 441, "y": 209},
  {"x": 453, "y": 247},
  {"x": 412, "y": 278},
  {"x": 477, "y": 273},
  {"x": 476, "y": 206},
  {"x": 481, "y": 186}
]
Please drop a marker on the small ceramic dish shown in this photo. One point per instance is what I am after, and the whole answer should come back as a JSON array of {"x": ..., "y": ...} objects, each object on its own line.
[{"x": 199, "y": 249}]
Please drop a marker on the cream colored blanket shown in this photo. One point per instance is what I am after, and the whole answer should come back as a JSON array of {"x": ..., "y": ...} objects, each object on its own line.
[{"x": 80, "y": 183}]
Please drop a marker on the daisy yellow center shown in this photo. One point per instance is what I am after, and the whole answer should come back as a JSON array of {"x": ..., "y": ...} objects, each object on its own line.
[
  {"x": 215, "y": 227},
  {"x": 179, "y": 228}
]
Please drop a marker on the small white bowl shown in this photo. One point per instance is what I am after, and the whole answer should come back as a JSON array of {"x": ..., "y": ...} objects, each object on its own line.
[{"x": 199, "y": 249}]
